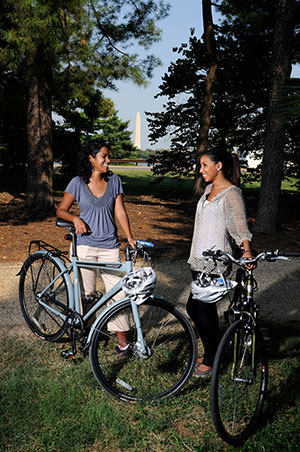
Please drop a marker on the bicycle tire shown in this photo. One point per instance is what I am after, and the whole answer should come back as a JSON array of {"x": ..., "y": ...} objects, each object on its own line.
[
  {"x": 37, "y": 272},
  {"x": 238, "y": 392},
  {"x": 171, "y": 340}
]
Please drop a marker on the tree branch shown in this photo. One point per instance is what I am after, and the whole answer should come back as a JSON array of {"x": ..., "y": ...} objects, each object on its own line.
[{"x": 104, "y": 33}]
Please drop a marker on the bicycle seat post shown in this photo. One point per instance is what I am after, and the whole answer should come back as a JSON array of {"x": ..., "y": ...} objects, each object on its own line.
[
  {"x": 74, "y": 242},
  {"x": 127, "y": 253},
  {"x": 250, "y": 286}
]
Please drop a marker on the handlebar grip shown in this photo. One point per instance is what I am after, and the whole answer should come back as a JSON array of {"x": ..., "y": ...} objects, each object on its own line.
[
  {"x": 144, "y": 243},
  {"x": 288, "y": 253}
]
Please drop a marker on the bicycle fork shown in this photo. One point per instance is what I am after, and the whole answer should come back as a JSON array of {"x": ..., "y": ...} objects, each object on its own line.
[
  {"x": 248, "y": 344},
  {"x": 141, "y": 349}
]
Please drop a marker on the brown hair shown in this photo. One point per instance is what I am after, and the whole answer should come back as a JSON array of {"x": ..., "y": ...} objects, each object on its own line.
[{"x": 230, "y": 163}]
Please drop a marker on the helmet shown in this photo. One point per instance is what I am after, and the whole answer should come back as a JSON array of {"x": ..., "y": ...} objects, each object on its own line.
[
  {"x": 139, "y": 284},
  {"x": 211, "y": 290}
]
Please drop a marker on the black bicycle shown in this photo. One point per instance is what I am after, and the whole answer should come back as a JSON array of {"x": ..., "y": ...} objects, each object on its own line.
[{"x": 240, "y": 370}]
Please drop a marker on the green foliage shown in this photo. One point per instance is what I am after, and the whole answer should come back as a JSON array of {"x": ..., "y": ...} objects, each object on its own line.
[
  {"x": 289, "y": 107},
  {"x": 68, "y": 137},
  {"x": 244, "y": 44},
  {"x": 116, "y": 132},
  {"x": 83, "y": 47},
  {"x": 81, "y": 34},
  {"x": 12, "y": 121},
  {"x": 142, "y": 154}
]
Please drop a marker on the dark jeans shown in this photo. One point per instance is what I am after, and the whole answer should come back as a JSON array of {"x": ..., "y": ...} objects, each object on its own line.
[{"x": 206, "y": 320}]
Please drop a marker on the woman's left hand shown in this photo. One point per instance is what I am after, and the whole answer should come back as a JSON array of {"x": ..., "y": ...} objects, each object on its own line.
[
  {"x": 247, "y": 254},
  {"x": 131, "y": 242}
]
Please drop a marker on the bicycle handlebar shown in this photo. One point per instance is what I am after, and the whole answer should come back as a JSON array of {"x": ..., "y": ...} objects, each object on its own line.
[
  {"x": 288, "y": 253},
  {"x": 145, "y": 243},
  {"x": 139, "y": 249},
  {"x": 265, "y": 255}
]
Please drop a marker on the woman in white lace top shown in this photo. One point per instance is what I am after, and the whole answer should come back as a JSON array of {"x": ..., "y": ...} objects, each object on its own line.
[{"x": 220, "y": 220}]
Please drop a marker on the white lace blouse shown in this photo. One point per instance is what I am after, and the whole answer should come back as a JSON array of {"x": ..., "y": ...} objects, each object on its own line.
[{"x": 217, "y": 223}]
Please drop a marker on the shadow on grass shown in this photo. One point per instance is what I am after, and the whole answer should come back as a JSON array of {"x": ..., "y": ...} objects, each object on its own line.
[{"x": 284, "y": 370}]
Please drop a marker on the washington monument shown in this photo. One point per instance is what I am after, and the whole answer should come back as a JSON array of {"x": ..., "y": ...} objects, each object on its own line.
[{"x": 137, "y": 141}]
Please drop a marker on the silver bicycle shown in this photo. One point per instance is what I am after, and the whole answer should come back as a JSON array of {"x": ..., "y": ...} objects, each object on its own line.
[{"x": 162, "y": 350}]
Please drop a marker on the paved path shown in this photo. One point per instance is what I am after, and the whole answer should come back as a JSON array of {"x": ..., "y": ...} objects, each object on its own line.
[{"x": 278, "y": 296}]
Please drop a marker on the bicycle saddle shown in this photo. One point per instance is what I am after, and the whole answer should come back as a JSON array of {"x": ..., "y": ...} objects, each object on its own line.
[{"x": 64, "y": 223}]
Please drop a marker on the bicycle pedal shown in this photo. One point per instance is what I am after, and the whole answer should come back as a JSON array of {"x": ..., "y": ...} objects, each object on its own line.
[
  {"x": 92, "y": 297},
  {"x": 84, "y": 349},
  {"x": 67, "y": 354}
]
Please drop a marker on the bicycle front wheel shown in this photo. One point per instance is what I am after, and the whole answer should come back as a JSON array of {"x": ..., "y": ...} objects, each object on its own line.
[
  {"x": 239, "y": 382},
  {"x": 37, "y": 273},
  {"x": 132, "y": 375}
]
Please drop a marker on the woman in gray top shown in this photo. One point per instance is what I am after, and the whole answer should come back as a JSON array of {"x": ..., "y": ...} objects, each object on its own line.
[
  {"x": 99, "y": 194},
  {"x": 220, "y": 221}
]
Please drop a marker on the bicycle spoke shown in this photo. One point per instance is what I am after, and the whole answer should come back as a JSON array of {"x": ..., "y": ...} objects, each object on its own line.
[
  {"x": 238, "y": 388},
  {"x": 38, "y": 272},
  {"x": 169, "y": 359}
]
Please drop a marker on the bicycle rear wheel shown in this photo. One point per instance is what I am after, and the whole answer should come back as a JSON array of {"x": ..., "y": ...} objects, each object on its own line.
[
  {"x": 239, "y": 382},
  {"x": 171, "y": 346},
  {"x": 37, "y": 272}
]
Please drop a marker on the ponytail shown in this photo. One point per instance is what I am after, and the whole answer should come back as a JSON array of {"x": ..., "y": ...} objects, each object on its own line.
[
  {"x": 236, "y": 170},
  {"x": 230, "y": 163}
]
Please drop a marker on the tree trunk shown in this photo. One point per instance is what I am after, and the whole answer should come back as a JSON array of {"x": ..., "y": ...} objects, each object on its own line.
[
  {"x": 272, "y": 166},
  {"x": 210, "y": 79},
  {"x": 39, "y": 194}
]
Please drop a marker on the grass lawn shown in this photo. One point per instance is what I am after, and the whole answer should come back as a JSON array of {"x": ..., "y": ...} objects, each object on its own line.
[
  {"x": 286, "y": 186},
  {"x": 143, "y": 182},
  {"x": 48, "y": 404}
]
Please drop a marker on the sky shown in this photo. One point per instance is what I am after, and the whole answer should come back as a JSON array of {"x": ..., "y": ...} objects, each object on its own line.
[{"x": 130, "y": 99}]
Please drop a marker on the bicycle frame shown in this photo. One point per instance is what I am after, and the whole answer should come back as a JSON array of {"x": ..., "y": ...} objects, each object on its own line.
[
  {"x": 74, "y": 297},
  {"x": 248, "y": 306},
  {"x": 240, "y": 370}
]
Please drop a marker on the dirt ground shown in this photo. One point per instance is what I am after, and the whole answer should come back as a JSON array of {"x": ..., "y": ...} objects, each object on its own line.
[{"x": 168, "y": 223}]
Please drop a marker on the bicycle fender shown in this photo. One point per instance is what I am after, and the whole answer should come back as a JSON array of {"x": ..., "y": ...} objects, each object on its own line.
[
  {"x": 61, "y": 266},
  {"x": 99, "y": 318}
]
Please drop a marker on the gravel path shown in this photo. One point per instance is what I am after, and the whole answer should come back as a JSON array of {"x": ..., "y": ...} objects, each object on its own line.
[{"x": 278, "y": 296}]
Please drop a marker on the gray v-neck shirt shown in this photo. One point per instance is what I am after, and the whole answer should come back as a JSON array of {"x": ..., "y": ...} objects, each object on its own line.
[{"x": 97, "y": 212}]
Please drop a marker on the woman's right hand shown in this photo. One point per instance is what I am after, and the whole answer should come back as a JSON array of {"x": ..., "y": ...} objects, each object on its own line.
[
  {"x": 80, "y": 225},
  {"x": 63, "y": 212}
]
